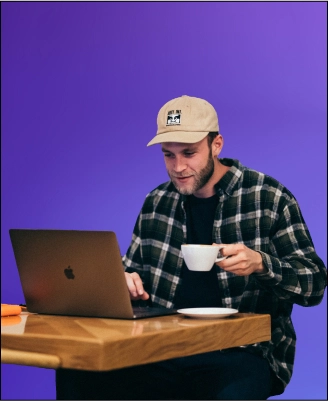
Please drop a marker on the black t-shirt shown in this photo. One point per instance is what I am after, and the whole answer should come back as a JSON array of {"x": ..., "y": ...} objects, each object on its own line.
[{"x": 199, "y": 289}]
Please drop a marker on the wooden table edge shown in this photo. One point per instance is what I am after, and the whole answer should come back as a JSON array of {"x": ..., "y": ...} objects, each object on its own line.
[{"x": 51, "y": 361}]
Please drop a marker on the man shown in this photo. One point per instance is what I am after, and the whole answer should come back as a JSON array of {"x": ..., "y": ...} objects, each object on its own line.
[{"x": 271, "y": 264}]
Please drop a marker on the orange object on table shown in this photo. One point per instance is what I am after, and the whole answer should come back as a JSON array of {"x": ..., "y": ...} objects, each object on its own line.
[
  {"x": 10, "y": 310},
  {"x": 10, "y": 320}
]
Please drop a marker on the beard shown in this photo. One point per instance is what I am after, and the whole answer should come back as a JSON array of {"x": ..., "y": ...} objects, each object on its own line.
[{"x": 201, "y": 178}]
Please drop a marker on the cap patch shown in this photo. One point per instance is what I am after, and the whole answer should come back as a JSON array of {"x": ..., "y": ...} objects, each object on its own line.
[{"x": 173, "y": 117}]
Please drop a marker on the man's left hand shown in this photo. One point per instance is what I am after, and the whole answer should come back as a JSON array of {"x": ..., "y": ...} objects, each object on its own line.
[{"x": 241, "y": 260}]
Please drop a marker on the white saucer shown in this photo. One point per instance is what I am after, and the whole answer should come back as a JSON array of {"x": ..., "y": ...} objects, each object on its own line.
[{"x": 207, "y": 313}]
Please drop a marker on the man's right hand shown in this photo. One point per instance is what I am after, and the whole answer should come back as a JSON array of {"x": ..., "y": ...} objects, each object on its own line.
[{"x": 135, "y": 287}]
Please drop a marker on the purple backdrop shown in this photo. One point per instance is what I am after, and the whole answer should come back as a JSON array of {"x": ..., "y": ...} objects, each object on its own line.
[{"x": 81, "y": 87}]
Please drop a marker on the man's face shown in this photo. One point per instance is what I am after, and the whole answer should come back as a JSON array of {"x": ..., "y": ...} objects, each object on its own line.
[{"x": 190, "y": 166}]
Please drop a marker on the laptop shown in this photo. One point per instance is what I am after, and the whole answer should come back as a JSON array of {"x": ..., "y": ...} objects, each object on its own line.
[{"x": 77, "y": 273}]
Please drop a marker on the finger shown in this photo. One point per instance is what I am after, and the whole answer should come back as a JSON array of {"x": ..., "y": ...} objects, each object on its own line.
[
  {"x": 139, "y": 289},
  {"x": 225, "y": 249},
  {"x": 235, "y": 270},
  {"x": 131, "y": 286},
  {"x": 235, "y": 267},
  {"x": 135, "y": 287},
  {"x": 230, "y": 261},
  {"x": 145, "y": 296}
]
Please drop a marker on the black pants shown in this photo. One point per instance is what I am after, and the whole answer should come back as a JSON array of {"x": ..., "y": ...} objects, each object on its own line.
[{"x": 233, "y": 375}]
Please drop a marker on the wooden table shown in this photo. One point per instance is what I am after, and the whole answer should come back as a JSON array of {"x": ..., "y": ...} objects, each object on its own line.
[{"x": 105, "y": 344}]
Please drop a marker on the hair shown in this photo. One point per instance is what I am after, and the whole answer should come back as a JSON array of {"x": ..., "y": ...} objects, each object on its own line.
[{"x": 211, "y": 136}]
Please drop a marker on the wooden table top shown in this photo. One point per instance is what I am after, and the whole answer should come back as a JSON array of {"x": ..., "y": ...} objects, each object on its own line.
[{"x": 104, "y": 344}]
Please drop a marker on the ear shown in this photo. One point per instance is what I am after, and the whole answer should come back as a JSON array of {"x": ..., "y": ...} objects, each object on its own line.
[{"x": 217, "y": 145}]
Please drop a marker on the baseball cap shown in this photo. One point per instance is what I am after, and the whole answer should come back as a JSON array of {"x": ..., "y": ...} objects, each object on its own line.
[{"x": 185, "y": 119}]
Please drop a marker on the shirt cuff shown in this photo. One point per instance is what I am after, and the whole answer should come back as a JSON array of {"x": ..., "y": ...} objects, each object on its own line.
[{"x": 271, "y": 276}]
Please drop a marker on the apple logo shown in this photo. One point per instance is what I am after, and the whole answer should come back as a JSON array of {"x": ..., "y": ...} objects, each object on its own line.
[{"x": 69, "y": 273}]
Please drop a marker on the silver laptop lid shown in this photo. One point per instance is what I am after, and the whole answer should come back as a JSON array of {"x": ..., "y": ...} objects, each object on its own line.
[{"x": 68, "y": 272}]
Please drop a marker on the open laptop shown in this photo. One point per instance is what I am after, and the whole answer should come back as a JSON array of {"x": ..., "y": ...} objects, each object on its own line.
[{"x": 78, "y": 273}]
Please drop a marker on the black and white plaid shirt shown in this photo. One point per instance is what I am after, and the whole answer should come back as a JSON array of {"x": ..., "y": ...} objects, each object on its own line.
[{"x": 253, "y": 209}]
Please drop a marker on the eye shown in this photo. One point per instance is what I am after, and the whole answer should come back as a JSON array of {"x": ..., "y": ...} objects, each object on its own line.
[
  {"x": 189, "y": 154},
  {"x": 167, "y": 155}
]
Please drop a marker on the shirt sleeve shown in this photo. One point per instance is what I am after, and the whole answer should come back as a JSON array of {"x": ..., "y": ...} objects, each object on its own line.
[
  {"x": 132, "y": 260},
  {"x": 295, "y": 271}
]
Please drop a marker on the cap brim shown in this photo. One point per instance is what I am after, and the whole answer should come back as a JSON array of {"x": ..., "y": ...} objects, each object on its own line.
[{"x": 178, "y": 136}]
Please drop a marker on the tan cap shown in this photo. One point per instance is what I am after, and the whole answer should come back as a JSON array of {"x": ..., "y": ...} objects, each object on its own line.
[{"x": 185, "y": 119}]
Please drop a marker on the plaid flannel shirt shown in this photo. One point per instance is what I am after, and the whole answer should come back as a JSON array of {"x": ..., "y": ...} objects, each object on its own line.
[{"x": 253, "y": 209}]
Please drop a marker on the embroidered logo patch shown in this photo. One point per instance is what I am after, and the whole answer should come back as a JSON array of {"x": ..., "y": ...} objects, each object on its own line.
[{"x": 173, "y": 117}]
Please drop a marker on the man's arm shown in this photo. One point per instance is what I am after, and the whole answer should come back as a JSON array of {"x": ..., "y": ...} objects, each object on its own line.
[
  {"x": 292, "y": 269},
  {"x": 133, "y": 266}
]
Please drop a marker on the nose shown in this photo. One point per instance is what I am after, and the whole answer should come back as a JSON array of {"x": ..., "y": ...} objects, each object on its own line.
[{"x": 179, "y": 164}]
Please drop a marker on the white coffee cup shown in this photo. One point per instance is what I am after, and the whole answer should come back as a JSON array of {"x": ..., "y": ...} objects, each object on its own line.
[{"x": 201, "y": 257}]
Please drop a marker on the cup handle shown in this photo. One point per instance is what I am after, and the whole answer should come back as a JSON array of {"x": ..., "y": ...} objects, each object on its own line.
[{"x": 222, "y": 257}]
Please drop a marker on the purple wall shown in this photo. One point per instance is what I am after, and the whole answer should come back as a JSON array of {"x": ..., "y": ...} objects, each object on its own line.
[{"x": 81, "y": 87}]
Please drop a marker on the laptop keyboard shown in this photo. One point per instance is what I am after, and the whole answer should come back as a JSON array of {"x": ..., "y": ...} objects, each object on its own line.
[{"x": 146, "y": 311}]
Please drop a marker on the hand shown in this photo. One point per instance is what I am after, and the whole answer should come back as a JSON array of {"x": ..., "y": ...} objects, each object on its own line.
[
  {"x": 135, "y": 287},
  {"x": 241, "y": 260}
]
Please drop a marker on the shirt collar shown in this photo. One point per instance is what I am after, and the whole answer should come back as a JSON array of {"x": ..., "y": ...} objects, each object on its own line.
[{"x": 230, "y": 179}]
